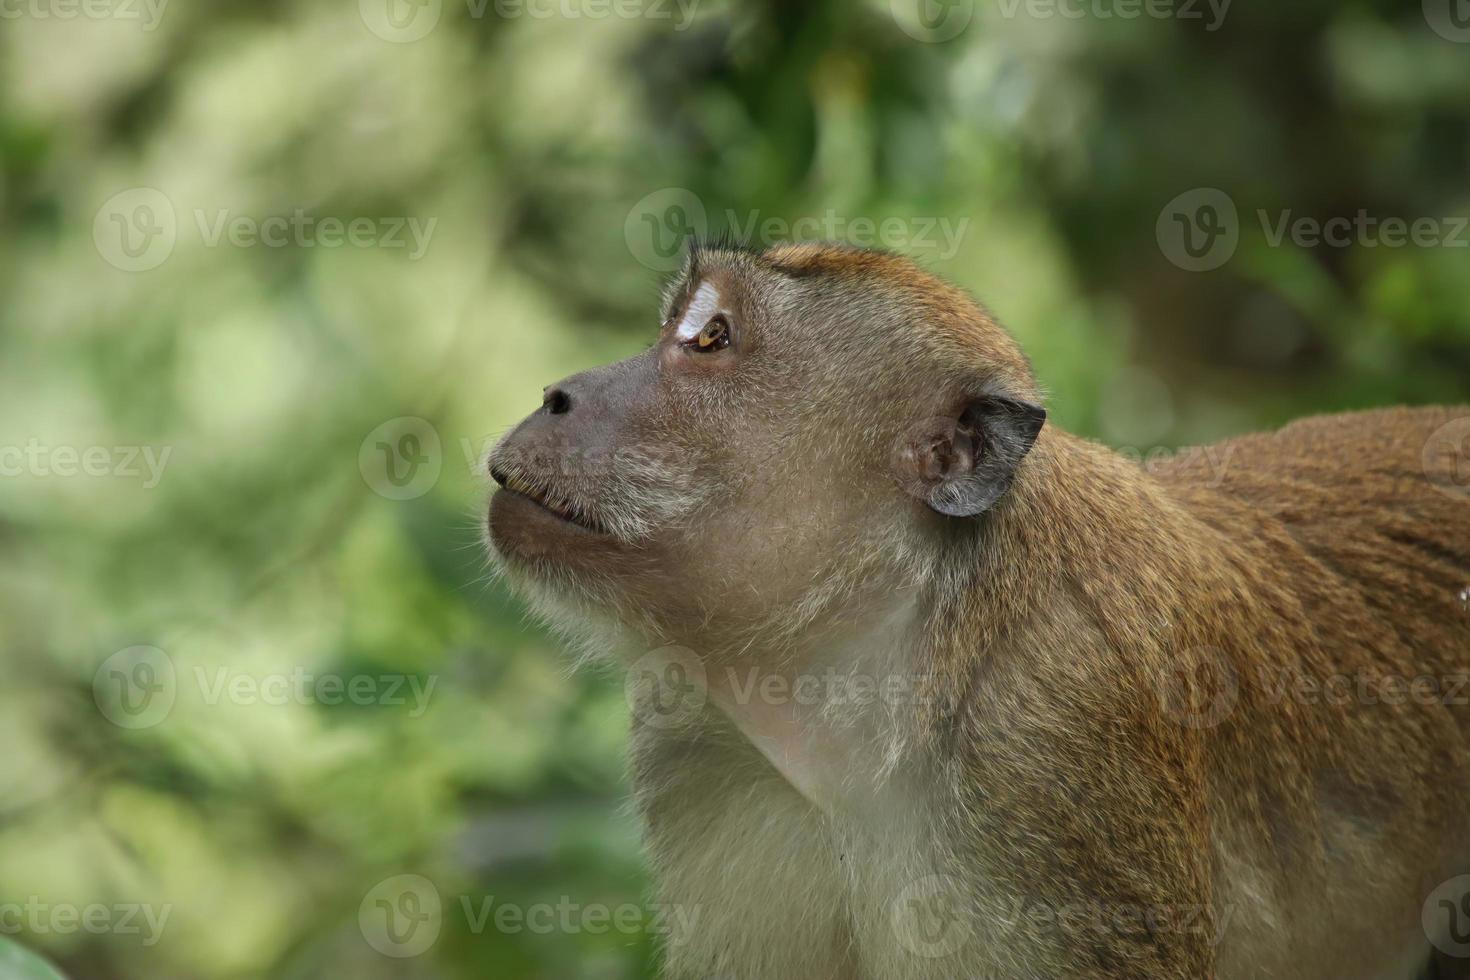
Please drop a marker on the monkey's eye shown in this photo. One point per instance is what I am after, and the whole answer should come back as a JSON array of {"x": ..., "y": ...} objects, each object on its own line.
[{"x": 714, "y": 336}]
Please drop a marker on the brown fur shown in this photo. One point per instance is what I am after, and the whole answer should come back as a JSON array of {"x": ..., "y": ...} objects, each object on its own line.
[{"x": 1323, "y": 551}]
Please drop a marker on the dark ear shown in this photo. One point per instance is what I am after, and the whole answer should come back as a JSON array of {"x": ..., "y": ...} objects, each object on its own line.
[{"x": 961, "y": 465}]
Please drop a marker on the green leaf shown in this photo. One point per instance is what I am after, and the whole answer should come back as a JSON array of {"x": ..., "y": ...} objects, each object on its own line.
[{"x": 19, "y": 963}]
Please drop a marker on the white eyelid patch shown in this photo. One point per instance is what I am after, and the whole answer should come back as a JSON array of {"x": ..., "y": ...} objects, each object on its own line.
[{"x": 705, "y": 304}]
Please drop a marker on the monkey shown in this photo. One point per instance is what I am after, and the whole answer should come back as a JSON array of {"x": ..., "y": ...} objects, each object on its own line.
[{"x": 924, "y": 686}]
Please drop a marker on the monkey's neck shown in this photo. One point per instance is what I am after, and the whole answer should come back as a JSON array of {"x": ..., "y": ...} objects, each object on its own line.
[
  {"x": 828, "y": 718},
  {"x": 1087, "y": 548}
]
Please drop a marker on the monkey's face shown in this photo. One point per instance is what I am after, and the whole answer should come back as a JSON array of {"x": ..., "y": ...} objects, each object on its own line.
[
  {"x": 784, "y": 441},
  {"x": 665, "y": 485}
]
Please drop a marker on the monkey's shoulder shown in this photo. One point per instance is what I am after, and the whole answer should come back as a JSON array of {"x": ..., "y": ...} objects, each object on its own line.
[
  {"x": 1379, "y": 500},
  {"x": 1356, "y": 460}
]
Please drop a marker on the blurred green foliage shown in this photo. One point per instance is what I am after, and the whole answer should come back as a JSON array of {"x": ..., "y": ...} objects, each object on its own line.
[{"x": 554, "y": 156}]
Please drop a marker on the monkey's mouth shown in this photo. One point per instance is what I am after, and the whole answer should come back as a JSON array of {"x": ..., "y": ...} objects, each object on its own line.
[{"x": 559, "y": 507}]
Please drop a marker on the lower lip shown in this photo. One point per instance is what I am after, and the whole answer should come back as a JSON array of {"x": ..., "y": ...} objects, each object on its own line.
[{"x": 535, "y": 506}]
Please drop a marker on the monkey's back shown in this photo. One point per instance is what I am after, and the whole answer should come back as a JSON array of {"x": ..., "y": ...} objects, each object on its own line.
[
  {"x": 1353, "y": 532},
  {"x": 1381, "y": 499},
  {"x": 1367, "y": 508}
]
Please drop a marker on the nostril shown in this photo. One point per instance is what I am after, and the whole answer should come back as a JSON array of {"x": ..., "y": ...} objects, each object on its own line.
[{"x": 556, "y": 401}]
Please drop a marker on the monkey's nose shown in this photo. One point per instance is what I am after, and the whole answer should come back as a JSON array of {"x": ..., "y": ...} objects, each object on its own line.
[{"x": 556, "y": 400}]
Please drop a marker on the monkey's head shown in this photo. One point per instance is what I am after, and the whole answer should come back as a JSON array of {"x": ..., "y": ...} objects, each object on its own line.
[{"x": 813, "y": 427}]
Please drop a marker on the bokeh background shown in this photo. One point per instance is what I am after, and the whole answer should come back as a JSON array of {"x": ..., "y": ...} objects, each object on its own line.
[{"x": 273, "y": 275}]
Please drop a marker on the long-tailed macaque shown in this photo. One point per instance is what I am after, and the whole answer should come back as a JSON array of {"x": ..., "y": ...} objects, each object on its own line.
[{"x": 928, "y": 688}]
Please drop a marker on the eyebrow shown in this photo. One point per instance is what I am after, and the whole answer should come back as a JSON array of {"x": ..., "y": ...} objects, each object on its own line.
[{"x": 704, "y": 304}]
